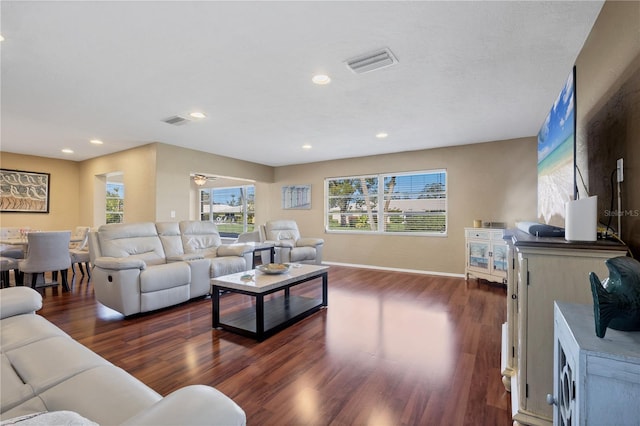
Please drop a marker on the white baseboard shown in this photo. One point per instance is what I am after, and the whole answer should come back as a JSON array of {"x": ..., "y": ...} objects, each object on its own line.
[{"x": 384, "y": 268}]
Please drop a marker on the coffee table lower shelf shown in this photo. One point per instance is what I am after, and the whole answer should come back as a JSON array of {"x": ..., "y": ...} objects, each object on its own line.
[{"x": 279, "y": 313}]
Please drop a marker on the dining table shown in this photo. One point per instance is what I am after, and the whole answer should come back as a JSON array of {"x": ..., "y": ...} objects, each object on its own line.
[{"x": 24, "y": 242}]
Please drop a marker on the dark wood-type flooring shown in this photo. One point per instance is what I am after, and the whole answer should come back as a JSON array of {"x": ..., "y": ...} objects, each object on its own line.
[{"x": 391, "y": 349}]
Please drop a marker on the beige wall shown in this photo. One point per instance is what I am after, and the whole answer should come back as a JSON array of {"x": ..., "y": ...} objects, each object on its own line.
[
  {"x": 157, "y": 181},
  {"x": 493, "y": 181},
  {"x": 608, "y": 113},
  {"x": 138, "y": 168},
  {"x": 176, "y": 191},
  {"x": 64, "y": 205}
]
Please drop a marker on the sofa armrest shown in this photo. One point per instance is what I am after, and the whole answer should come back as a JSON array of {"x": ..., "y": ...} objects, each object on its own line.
[
  {"x": 119, "y": 263},
  {"x": 191, "y": 405},
  {"x": 19, "y": 300},
  {"x": 285, "y": 243},
  {"x": 234, "y": 249},
  {"x": 309, "y": 242},
  {"x": 184, "y": 257}
]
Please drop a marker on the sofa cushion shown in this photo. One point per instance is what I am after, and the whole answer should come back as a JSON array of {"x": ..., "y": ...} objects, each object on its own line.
[
  {"x": 33, "y": 405},
  {"x": 19, "y": 300},
  {"x": 118, "y": 396},
  {"x": 47, "y": 362},
  {"x": 200, "y": 237},
  {"x": 24, "y": 329},
  {"x": 278, "y": 230},
  {"x": 136, "y": 239},
  {"x": 13, "y": 390},
  {"x": 169, "y": 233}
]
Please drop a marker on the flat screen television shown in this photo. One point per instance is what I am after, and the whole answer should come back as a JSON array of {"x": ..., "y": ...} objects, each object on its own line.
[{"x": 557, "y": 156}]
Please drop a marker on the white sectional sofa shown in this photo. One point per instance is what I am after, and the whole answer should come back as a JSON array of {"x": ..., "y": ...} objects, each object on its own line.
[
  {"x": 141, "y": 267},
  {"x": 45, "y": 371}
]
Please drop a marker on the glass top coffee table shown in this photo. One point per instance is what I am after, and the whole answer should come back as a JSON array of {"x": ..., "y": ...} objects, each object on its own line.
[{"x": 268, "y": 317}]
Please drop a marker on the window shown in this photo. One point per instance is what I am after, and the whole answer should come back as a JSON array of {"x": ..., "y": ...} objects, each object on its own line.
[
  {"x": 115, "y": 202},
  {"x": 399, "y": 203},
  {"x": 231, "y": 208}
]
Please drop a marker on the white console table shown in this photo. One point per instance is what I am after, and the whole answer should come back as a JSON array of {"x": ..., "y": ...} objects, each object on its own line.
[{"x": 486, "y": 254}]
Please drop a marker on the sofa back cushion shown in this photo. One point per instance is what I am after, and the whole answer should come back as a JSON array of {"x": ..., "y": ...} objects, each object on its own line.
[
  {"x": 170, "y": 238},
  {"x": 281, "y": 230},
  {"x": 139, "y": 240},
  {"x": 200, "y": 237}
]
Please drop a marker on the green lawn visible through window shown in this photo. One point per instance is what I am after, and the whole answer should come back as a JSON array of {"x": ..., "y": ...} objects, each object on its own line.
[
  {"x": 231, "y": 208},
  {"x": 402, "y": 203}
]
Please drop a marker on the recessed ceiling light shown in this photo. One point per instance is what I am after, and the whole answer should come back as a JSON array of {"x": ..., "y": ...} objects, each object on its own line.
[
  {"x": 381, "y": 135},
  {"x": 306, "y": 146},
  {"x": 67, "y": 151},
  {"x": 96, "y": 141},
  {"x": 197, "y": 114},
  {"x": 1, "y": 38},
  {"x": 321, "y": 79}
]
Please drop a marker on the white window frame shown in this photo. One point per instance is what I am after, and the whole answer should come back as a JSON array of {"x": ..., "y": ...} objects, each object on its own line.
[
  {"x": 108, "y": 212},
  {"x": 245, "y": 206},
  {"x": 380, "y": 216}
]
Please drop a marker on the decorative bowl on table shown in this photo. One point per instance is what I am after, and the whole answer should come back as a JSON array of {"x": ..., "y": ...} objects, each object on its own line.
[{"x": 274, "y": 268}]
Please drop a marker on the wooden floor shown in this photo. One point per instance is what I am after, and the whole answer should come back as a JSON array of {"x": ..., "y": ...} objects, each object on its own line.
[{"x": 390, "y": 349}]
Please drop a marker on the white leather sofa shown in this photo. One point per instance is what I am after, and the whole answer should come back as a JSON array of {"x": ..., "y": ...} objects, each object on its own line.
[
  {"x": 45, "y": 371},
  {"x": 141, "y": 267}
]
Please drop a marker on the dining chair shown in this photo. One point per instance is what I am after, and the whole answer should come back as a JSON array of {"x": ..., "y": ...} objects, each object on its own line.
[
  {"x": 79, "y": 250},
  {"x": 7, "y": 264},
  {"x": 47, "y": 252}
]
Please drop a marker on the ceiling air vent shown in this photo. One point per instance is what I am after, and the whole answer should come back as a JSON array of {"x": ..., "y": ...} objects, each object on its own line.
[
  {"x": 176, "y": 120},
  {"x": 371, "y": 61}
]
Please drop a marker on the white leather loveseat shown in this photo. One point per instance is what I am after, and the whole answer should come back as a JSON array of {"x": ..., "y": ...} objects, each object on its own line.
[
  {"x": 45, "y": 371},
  {"x": 290, "y": 246},
  {"x": 141, "y": 267}
]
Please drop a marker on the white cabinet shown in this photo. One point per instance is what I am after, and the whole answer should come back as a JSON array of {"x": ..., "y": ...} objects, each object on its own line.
[
  {"x": 486, "y": 254},
  {"x": 542, "y": 270},
  {"x": 596, "y": 381}
]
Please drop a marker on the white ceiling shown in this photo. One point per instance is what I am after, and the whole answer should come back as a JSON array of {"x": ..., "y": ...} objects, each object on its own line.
[{"x": 468, "y": 72}]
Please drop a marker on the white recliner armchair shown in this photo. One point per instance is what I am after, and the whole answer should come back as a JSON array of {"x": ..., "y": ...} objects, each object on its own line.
[{"x": 290, "y": 246}]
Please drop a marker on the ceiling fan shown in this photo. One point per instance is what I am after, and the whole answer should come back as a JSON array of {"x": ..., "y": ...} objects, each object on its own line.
[{"x": 200, "y": 180}]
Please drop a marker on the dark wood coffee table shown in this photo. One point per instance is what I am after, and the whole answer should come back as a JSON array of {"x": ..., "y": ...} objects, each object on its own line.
[{"x": 277, "y": 313}]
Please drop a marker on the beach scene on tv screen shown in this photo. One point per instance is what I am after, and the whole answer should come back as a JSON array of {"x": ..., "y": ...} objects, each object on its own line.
[{"x": 556, "y": 158}]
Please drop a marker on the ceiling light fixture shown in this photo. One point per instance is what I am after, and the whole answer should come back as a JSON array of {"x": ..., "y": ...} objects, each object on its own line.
[
  {"x": 200, "y": 180},
  {"x": 197, "y": 114},
  {"x": 321, "y": 79},
  {"x": 1, "y": 38},
  {"x": 306, "y": 146},
  {"x": 381, "y": 135},
  {"x": 96, "y": 142},
  {"x": 67, "y": 151}
]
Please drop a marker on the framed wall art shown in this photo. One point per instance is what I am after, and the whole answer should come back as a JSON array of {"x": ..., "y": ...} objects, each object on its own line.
[
  {"x": 296, "y": 197},
  {"x": 24, "y": 192}
]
